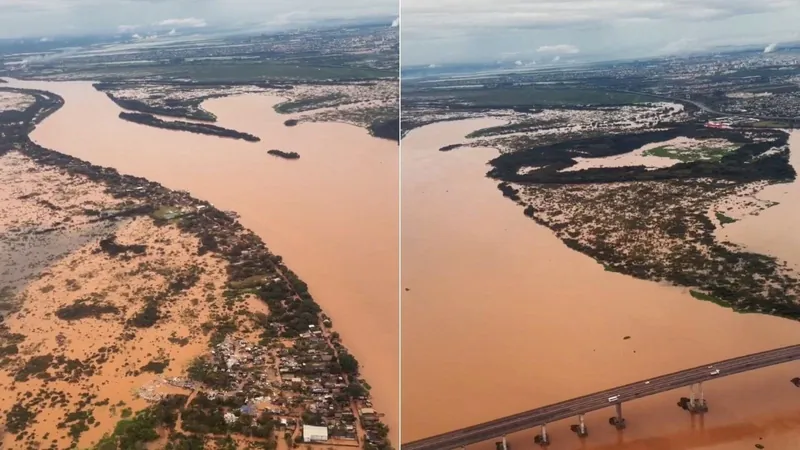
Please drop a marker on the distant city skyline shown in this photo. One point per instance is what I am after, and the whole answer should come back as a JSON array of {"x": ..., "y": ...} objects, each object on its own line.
[
  {"x": 534, "y": 32},
  {"x": 45, "y": 19}
]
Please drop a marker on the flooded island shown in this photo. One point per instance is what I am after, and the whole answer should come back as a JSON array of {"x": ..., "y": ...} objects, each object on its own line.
[
  {"x": 201, "y": 128},
  {"x": 139, "y": 316}
]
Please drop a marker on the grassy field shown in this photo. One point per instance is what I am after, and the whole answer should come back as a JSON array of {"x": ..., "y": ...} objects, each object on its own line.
[
  {"x": 690, "y": 154},
  {"x": 533, "y": 96}
]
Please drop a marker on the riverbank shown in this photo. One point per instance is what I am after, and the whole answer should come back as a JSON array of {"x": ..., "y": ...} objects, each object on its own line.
[{"x": 539, "y": 323}]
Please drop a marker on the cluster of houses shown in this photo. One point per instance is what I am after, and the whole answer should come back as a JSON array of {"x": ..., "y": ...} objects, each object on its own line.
[
  {"x": 306, "y": 366},
  {"x": 295, "y": 381},
  {"x": 305, "y": 369}
]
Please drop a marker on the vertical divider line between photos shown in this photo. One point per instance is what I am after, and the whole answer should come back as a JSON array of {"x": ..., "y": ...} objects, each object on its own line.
[{"x": 397, "y": 445}]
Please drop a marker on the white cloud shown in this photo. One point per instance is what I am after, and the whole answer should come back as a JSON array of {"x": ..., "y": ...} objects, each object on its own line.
[
  {"x": 187, "y": 22},
  {"x": 771, "y": 47},
  {"x": 563, "y": 49},
  {"x": 396, "y": 23},
  {"x": 478, "y": 30},
  {"x": 29, "y": 18},
  {"x": 679, "y": 46},
  {"x": 557, "y": 59},
  {"x": 285, "y": 19},
  {"x": 536, "y": 13},
  {"x": 126, "y": 28},
  {"x": 172, "y": 32}
]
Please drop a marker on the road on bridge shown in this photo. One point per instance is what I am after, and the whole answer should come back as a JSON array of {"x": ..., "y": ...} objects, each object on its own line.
[{"x": 599, "y": 400}]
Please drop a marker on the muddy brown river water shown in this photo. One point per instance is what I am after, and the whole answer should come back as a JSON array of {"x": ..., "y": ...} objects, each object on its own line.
[
  {"x": 332, "y": 214},
  {"x": 501, "y": 317}
]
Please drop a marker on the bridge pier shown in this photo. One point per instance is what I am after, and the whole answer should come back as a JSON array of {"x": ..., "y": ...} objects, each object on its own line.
[
  {"x": 582, "y": 430},
  {"x": 542, "y": 439},
  {"x": 618, "y": 421},
  {"x": 697, "y": 406}
]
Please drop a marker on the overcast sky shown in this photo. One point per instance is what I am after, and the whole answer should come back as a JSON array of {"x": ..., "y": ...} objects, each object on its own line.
[
  {"x": 443, "y": 31},
  {"x": 48, "y": 18}
]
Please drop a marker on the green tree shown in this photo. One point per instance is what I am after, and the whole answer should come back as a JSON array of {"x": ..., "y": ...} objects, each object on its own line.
[
  {"x": 355, "y": 390},
  {"x": 349, "y": 363},
  {"x": 227, "y": 443}
]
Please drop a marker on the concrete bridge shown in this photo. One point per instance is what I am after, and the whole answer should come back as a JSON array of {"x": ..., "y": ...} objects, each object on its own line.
[{"x": 577, "y": 407}]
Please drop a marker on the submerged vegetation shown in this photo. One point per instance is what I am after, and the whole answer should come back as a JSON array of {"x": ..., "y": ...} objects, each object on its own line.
[
  {"x": 134, "y": 432},
  {"x": 84, "y": 308},
  {"x": 310, "y": 103},
  {"x": 723, "y": 219},
  {"x": 609, "y": 214},
  {"x": 386, "y": 129},
  {"x": 752, "y": 161},
  {"x": 187, "y": 110}
]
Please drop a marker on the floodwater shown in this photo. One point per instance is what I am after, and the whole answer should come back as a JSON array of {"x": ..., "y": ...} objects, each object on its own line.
[
  {"x": 499, "y": 316},
  {"x": 774, "y": 230},
  {"x": 332, "y": 214}
]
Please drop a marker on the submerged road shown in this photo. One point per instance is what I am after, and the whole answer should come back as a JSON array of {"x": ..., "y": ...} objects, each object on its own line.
[{"x": 571, "y": 408}]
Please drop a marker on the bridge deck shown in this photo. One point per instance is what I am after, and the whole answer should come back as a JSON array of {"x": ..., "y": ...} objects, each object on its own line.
[{"x": 599, "y": 400}]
